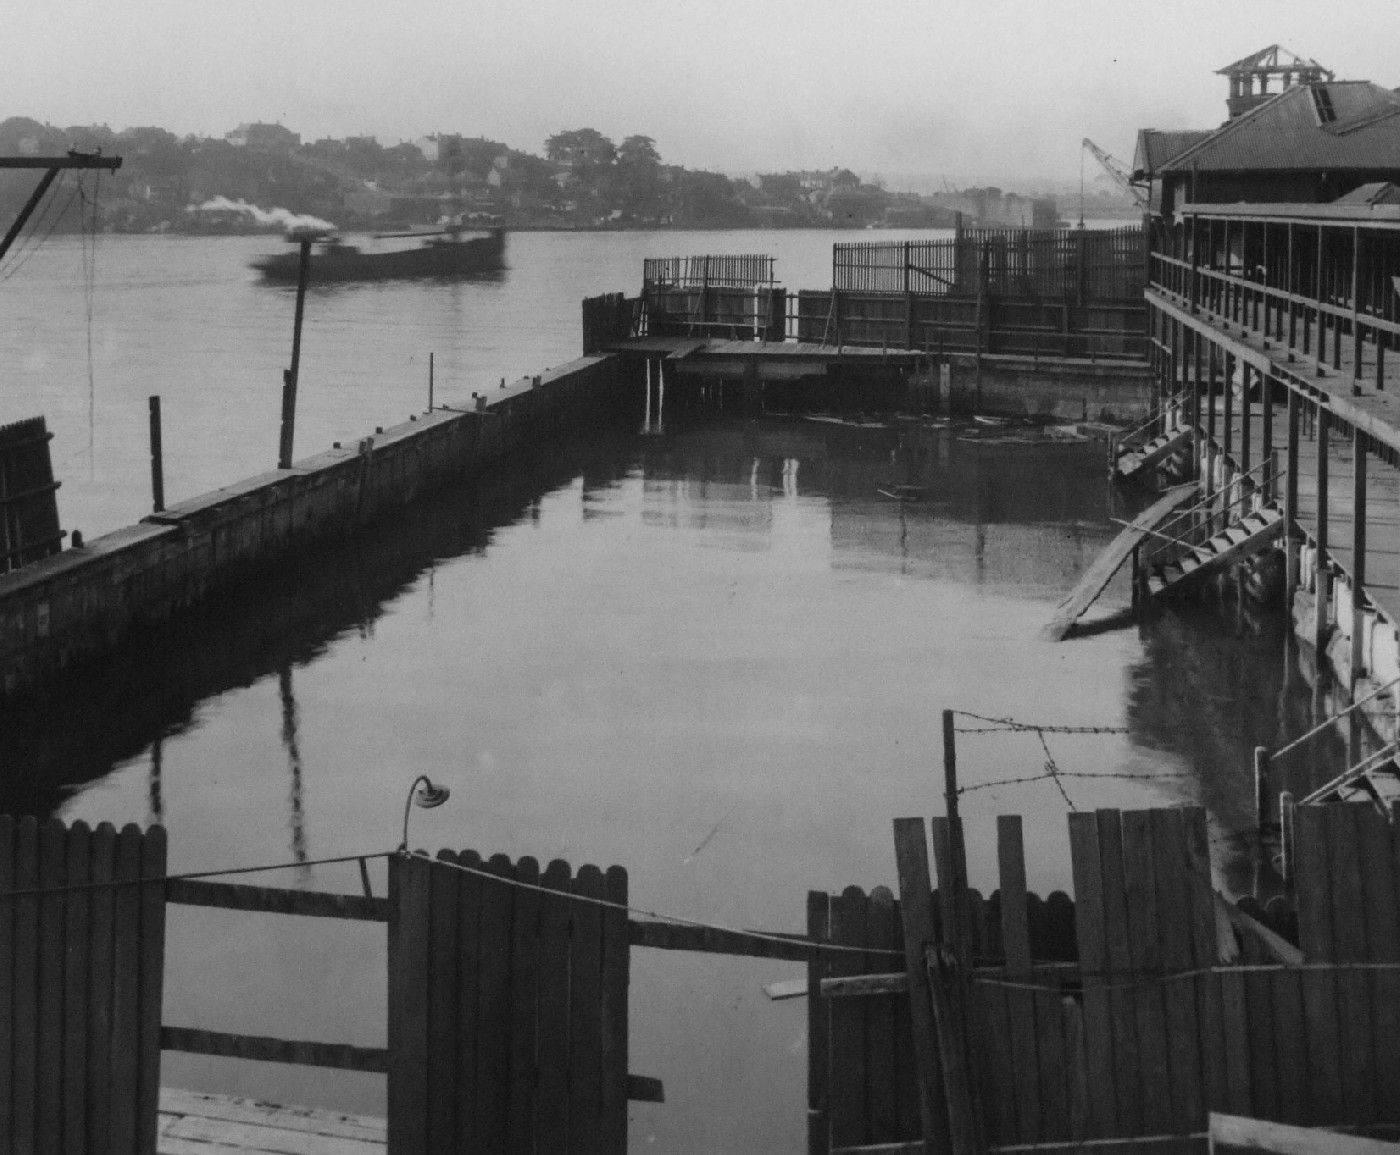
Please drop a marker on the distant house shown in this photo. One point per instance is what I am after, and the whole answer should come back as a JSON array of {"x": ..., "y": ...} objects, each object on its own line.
[{"x": 267, "y": 136}]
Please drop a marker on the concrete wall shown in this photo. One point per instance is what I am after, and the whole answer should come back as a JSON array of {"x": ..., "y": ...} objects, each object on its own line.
[
  {"x": 84, "y": 601},
  {"x": 1065, "y": 390}
]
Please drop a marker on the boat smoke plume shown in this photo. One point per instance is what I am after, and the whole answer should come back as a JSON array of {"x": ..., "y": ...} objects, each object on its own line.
[{"x": 284, "y": 217}]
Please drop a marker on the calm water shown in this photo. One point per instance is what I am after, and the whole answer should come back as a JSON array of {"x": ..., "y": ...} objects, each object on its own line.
[{"x": 715, "y": 656}]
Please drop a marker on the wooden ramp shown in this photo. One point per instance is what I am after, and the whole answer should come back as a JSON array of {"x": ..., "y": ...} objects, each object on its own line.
[{"x": 1111, "y": 560}]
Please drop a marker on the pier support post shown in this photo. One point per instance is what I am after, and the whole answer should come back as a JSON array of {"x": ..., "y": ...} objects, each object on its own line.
[
  {"x": 157, "y": 460},
  {"x": 1358, "y": 553},
  {"x": 1261, "y": 786},
  {"x": 1290, "y": 497},
  {"x": 289, "y": 376},
  {"x": 1322, "y": 568}
]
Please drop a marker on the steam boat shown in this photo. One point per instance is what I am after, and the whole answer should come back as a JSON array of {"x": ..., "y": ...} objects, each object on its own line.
[{"x": 444, "y": 253}]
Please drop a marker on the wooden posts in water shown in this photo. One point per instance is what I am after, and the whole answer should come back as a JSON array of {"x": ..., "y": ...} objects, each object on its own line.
[
  {"x": 1321, "y": 566},
  {"x": 157, "y": 459},
  {"x": 430, "y": 382},
  {"x": 1290, "y": 495},
  {"x": 289, "y": 376},
  {"x": 1358, "y": 553}
]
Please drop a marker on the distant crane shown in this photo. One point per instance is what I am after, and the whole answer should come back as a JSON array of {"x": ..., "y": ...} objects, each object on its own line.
[{"x": 1118, "y": 173}]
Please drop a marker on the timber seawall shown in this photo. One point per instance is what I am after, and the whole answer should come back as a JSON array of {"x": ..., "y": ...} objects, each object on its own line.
[{"x": 84, "y": 601}]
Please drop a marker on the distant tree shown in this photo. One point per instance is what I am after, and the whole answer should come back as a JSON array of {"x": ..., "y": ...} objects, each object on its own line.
[
  {"x": 582, "y": 148},
  {"x": 637, "y": 178},
  {"x": 638, "y": 153}
]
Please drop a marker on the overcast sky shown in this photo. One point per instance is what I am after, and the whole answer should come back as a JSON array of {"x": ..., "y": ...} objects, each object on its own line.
[{"x": 997, "y": 91}]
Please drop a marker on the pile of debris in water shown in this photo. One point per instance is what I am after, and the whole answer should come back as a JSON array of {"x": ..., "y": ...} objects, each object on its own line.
[{"x": 982, "y": 430}]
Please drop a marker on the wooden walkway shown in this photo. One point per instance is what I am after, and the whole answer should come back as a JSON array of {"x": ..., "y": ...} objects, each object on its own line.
[
  {"x": 678, "y": 348},
  {"x": 198, "y": 1124}
]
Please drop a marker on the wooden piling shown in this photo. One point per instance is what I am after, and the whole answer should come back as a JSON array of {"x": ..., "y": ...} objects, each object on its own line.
[
  {"x": 157, "y": 459},
  {"x": 289, "y": 376},
  {"x": 1290, "y": 497},
  {"x": 1358, "y": 555},
  {"x": 1321, "y": 567}
]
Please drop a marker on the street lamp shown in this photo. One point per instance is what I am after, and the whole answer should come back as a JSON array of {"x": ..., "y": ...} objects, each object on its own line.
[{"x": 422, "y": 793}]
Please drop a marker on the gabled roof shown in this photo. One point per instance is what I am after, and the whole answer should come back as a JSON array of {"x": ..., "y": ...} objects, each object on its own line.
[
  {"x": 1328, "y": 125},
  {"x": 1156, "y": 147},
  {"x": 1272, "y": 58}
]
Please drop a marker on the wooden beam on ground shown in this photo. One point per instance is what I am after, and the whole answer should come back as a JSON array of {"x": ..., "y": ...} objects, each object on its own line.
[
  {"x": 1281, "y": 1139},
  {"x": 1108, "y": 563}
]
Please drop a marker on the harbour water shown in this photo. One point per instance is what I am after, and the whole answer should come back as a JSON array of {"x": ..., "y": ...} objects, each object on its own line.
[{"x": 715, "y": 655}]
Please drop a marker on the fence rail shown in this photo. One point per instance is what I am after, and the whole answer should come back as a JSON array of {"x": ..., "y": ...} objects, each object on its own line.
[{"x": 731, "y": 271}]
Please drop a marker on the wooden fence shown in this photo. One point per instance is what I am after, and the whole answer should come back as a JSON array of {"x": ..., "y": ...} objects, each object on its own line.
[
  {"x": 29, "y": 528},
  {"x": 1173, "y": 1003},
  {"x": 82, "y": 945},
  {"x": 1079, "y": 264},
  {"x": 520, "y": 998}
]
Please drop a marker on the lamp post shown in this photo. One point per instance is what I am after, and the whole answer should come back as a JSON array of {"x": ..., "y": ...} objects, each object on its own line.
[{"x": 424, "y": 794}]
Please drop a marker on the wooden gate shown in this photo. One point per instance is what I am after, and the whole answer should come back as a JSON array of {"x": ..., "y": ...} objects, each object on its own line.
[
  {"x": 507, "y": 1006},
  {"x": 82, "y": 953},
  {"x": 28, "y": 506}
]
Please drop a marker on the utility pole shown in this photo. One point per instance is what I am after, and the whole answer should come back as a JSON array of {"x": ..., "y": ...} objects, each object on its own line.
[
  {"x": 52, "y": 165},
  {"x": 289, "y": 376}
]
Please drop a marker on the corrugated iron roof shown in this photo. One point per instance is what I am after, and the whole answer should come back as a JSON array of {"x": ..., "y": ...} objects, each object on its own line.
[
  {"x": 1347, "y": 124},
  {"x": 1155, "y": 147}
]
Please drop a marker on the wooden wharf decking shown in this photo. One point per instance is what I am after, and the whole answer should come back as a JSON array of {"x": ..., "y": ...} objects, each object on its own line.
[{"x": 193, "y": 1123}]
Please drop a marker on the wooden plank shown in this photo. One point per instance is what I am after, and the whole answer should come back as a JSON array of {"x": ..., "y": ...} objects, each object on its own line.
[
  {"x": 881, "y": 1026},
  {"x": 1349, "y": 945},
  {"x": 1263, "y": 1063},
  {"x": 1140, "y": 890},
  {"x": 275, "y": 900},
  {"x": 468, "y": 993},
  {"x": 226, "y": 1108},
  {"x": 1077, "y": 1068},
  {"x": 1261, "y": 1135},
  {"x": 1174, "y": 932},
  {"x": 818, "y": 1028},
  {"x": 267, "y": 1049},
  {"x": 1323, "y": 1043},
  {"x": 73, "y": 1102},
  {"x": 195, "y": 1134},
  {"x": 409, "y": 927},
  {"x": 552, "y": 1093},
  {"x": 948, "y": 989},
  {"x": 1093, "y": 961},
  {"x": 645, "y": 1089},
  {"x": 612, "y": 1126},
  {"x": 916, "y": 908},
  {"x": 585, "y": 1009},
  {"x": 101, "y": 914},
  {"x": 26, "y": 980},
  {"x": 1203, "y": 952},
  {"x": 1020, "y": 1004},
  {"x": 493, "y": 1014},
  {"x": 126, "y": 989},
  {"x": 1052, "y": 1062},
  {"x": 48, "y": 1080},
  {"x": 152, "y": 985},
  {"x": 1383, "y": 945},
  {"x": 659, "y": 935},
  {"x": 524, "y": 992},
  {"x": 1128, "y": 1075},
  {"x": 443, "y": 987},
  {"x": 906, "y": 1065},
  {"x": 7, "y": 978},
  {"x": 942, "y": 837},
  {"x": 847, "y": 1087},
  {"x": 1285, "y": 1002},
  {"x": 1108, "y": 563},
  {"x": 992, "y": 1025}
]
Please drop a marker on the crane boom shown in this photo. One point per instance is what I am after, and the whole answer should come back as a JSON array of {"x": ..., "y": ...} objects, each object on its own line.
[{"x": 1117, "y": 173}]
